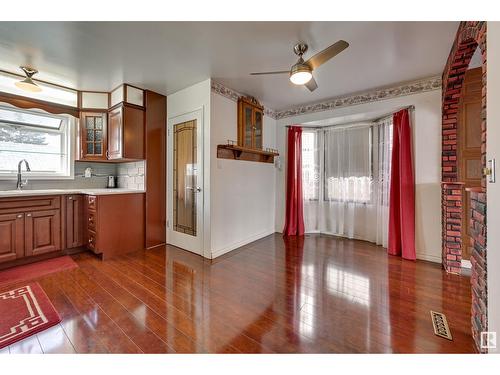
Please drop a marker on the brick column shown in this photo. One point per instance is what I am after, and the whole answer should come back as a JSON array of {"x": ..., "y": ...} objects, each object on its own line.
[
  {"x": 478, "y": 260},
  {"x": 451, "y": 200}
]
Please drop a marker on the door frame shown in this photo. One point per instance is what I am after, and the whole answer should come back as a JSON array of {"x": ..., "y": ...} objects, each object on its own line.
[{"x": 175, "y": 238}]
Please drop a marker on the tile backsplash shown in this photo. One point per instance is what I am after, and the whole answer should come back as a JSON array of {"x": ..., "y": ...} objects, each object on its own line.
[{"x": 131, "y": 175}]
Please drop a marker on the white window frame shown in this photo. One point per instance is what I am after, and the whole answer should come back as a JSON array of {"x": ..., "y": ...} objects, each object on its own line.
[{"x": 68, "y": 125}]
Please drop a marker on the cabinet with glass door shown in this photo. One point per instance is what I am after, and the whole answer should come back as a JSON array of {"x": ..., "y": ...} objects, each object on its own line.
[
  {"x": 93, "y": 141},
  {"x": 250, "y": 123}
]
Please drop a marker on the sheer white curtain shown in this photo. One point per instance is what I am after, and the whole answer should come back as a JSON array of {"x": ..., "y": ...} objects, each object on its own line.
[
  {"x": 311, "y": 167},
  {"x": 346, "y": 174},
  {"x": 382, "y": 178}
]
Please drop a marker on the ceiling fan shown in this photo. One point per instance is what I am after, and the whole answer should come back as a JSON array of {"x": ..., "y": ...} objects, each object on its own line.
[{"x": 301, "y": 72}]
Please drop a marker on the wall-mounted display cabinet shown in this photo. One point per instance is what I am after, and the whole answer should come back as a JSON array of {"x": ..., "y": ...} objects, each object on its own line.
[
  {"x": 250, "y": 144},
  {"x": 250, "y": 123}
]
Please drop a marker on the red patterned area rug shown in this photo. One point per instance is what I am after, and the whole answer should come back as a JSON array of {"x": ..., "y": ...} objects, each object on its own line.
[
  {"x": 34, "y": 270},
  {"x": 25, "y": 311}
]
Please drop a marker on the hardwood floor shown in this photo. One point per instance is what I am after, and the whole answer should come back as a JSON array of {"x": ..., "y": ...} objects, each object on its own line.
[{"x": 321, "y": 294}]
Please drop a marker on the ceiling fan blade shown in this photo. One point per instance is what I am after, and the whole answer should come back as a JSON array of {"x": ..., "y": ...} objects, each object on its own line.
[
  {"x": 264, "y": 73},
  {"x": 325, "y": 55},
  {"x": 311, "y": 85}
]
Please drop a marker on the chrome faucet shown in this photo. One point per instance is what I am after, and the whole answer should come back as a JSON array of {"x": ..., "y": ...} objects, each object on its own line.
[{"x": 20, "y": 182}]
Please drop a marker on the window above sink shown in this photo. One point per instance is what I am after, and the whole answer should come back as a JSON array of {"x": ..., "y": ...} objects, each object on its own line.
[{"x": 43, "y": 139}]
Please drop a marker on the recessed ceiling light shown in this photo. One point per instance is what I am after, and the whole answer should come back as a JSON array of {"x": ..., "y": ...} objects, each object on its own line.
[{"x": 28, "y": 84}]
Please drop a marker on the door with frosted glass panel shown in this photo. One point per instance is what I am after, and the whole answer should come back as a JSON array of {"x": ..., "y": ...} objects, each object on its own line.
[{"x": 185, "y": 182}]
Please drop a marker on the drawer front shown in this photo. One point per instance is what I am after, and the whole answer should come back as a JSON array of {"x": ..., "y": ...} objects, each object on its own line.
[
  {"x": 92, "y": 202},
  {"x": 25, "y": 204},
  {"x": 92, "y": 221},
  {"x": 92, "y": 241}
]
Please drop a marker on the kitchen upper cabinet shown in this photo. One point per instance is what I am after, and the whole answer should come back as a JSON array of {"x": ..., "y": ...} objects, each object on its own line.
[
  {"x": 125, "y": 133},
  {"x": 127, "y": 94},
  {"x": 74, "y": 221},
  {"x": 250, "y": 123},
  {"x": 42, "y": 232},
  {"x": 93, "y": 136},
  {"x": 11, "y": 236}
]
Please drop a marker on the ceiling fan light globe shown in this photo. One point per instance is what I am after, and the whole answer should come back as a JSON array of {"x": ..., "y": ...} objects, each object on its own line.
[
  {"x": 28, "y": 85},
  {"x": 300, "y": 77}
]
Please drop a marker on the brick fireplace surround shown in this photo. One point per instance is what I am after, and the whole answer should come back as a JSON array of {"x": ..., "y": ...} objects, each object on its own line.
[{"x": 470, "y": 35}]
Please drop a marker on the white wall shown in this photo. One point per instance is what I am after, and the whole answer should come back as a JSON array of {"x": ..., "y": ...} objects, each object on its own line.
[
  {"x": 243, "y": 192},
  {"x": 187, "y": 100},
  {"x": 427, "y": 161},
  {"x": 493, "y": 190}
]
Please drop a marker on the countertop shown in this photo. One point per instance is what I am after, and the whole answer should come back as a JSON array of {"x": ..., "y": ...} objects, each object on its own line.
[{"x": 30, "y": 193}]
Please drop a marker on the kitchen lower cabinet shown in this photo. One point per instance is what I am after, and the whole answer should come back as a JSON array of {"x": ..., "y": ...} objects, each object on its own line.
[
  {"x": 29, "y": 226},
  {"x": 42, "y": 232},
  {"x": 11, "y": 237},
  {"x": 74, "y": 221},
  {"x": 115, "y": 223},
  {"x": 39, "y": 227}
]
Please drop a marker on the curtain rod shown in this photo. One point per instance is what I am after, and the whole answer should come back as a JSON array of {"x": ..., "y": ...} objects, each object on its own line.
[{"x": 410, "y": 107}]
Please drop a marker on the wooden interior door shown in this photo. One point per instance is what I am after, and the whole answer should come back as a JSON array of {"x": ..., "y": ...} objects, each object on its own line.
[
  {"x": 115, "y": 133},
  {"x": 42, "y": 232},
  {"x": 11, "y": 237},
  {"x": 469, "y": 145}
]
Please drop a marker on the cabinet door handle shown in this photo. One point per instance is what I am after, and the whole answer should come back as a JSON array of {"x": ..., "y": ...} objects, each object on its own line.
[
  {"x": 70, "y": 198},
  {"x": 20, "y": 216},
  {"x": 28, "y": 215},
  {"x": 107, "y": 154}
]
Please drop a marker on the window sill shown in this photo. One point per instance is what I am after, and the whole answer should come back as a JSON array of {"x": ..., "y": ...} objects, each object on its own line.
[{"x": 27, "y": 176}]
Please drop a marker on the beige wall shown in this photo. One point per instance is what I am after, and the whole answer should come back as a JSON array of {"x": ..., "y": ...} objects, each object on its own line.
[
  {"x": 242, "y": 192},
  {"x": 493, "y": 190}
]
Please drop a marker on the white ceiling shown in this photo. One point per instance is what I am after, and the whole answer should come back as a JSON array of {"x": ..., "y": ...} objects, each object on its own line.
[{"x": 168, "y": 56}]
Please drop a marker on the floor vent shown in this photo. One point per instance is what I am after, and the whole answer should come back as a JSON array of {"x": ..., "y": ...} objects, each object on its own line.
[{"x": 440, "y": 324}]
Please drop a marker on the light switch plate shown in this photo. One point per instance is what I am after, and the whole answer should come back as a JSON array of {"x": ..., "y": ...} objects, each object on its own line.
[{"x": 492, "y": 170}]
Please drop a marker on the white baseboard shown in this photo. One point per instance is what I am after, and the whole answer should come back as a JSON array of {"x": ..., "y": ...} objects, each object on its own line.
[
  {"x": 429, "y": 257},
  {"x": 235, "y": 245}
]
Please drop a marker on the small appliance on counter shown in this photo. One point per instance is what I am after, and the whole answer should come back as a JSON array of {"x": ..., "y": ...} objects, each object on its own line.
[{"x": 111, "y": 182}]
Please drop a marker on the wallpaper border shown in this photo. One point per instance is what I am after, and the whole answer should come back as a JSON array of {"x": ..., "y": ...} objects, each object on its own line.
[{"x": 389, "y": 92}]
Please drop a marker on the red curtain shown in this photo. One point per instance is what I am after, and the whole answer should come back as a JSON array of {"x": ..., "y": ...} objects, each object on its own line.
[
  {"x": 294, "y": 219},
  {"x": 402, "y": 194}
]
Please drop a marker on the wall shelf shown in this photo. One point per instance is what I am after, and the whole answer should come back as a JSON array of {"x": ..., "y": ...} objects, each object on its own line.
[{"x": 236, "y": 152}]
